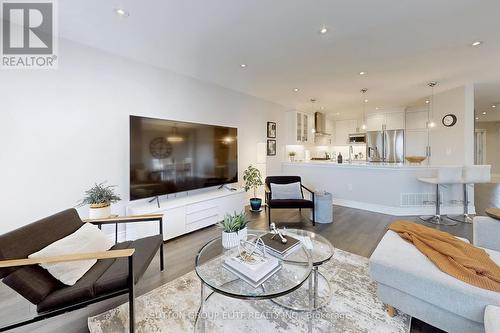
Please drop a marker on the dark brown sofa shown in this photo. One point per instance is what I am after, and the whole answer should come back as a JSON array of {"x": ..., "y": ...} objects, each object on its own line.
[{"x": 109, "y": 277}]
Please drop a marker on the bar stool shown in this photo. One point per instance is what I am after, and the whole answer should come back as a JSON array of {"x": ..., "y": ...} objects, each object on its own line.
[
  {"x": 472, "y": 174},
  {"x": 445, "y": 175}
]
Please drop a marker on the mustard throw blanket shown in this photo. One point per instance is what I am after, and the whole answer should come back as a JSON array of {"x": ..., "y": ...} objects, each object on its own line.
[{"x": 451, "y": 255}]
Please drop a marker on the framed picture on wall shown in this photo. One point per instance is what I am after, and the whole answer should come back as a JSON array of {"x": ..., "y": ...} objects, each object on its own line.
[
  {"x": 271, "y": 129},
  {"x": 271, "y": 147}
]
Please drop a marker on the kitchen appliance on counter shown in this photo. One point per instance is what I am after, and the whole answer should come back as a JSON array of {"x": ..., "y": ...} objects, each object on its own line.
[
  {"x": 357, "y": 138},
  {"x": 385, "y": 146}
]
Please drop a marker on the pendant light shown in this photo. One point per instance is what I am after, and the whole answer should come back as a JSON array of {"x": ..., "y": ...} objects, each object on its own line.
[
  {"x": 430, "y": 112},
  {"x": 364, "y": 101},
  {"x": 175, "y": 137}
]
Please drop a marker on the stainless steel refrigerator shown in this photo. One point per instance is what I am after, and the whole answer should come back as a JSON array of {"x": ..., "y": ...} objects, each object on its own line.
[{"x": 385, "y": 146}]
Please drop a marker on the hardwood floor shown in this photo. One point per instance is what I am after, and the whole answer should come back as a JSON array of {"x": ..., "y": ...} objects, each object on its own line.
[{"x": 353, "y": 230}]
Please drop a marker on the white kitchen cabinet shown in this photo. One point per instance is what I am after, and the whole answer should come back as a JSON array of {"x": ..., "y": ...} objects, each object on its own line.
[
  {"x": 394, "y": 120},
  {"x": 342, "y": 130},
  {"x": 375, "y": 122},
  {"x": 416, "y": 119},
  {"x": 385, "y": 121},
  {"x": 300, "y": 127}
]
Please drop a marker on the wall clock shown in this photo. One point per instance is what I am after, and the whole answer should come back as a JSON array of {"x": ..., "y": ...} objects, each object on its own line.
[
  {"x": 160, "y": 148},
  {"x": 449, "y": 120}
]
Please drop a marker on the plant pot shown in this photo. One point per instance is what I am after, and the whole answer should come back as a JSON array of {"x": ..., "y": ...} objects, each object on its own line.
[
  {"x": 100, "y": 211},
  {"x": 292, "y": 158},
  {"x": 232, "y": 239},
  {"x": 255, "y": 204}
]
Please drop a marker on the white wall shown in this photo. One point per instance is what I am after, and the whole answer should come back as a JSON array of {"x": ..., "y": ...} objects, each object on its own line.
[
  {"x": 453, "y": 145},
  {"x": 63, "y": 130},
  {"x": 492, "y": 144}
]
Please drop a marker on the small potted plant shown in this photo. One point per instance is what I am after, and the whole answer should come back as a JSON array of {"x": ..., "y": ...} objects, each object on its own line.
[
  {"x": 234, "y": 229},
  {"x": 253, "y": 179},
  {"x": 99, "y": 198},
  {"x": 292, "y": 156}
]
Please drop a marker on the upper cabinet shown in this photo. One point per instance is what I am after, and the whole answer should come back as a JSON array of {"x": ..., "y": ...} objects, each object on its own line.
[
  {"x": 385, "y": 121},
  {"x": 300, "y": 127},
  {"x": 416, "y": 118},
  {"x": 342, "y": 130}
]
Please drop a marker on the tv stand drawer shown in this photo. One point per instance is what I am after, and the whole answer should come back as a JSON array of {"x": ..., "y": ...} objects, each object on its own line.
[{"x": 212, "y": 212}]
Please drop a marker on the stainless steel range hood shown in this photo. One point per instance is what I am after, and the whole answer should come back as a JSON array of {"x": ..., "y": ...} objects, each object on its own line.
[{"x": 320, "y": 124}]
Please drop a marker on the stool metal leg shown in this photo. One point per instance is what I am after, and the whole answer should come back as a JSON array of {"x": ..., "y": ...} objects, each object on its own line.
[
  {"x": 437, "y": 218},
  {"x": 465, "y": 218}
]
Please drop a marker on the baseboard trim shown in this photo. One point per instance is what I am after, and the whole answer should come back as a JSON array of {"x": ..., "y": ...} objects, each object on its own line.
[{"x": 400, "y": 211}]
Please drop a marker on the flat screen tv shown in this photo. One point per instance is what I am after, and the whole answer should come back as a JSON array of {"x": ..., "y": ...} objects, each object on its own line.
[{"x": 168, "y": 156}]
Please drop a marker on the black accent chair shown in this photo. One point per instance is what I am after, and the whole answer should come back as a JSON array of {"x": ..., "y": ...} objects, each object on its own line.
[
  {"x": 115, "y": 273},
  {"x": 287, "y": 203}
]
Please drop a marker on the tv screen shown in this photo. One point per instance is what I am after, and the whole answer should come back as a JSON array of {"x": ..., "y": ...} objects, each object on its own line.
[{"x": 168, "y": 156}]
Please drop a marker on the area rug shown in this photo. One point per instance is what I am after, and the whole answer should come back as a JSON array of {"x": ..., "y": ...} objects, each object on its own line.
[{"x": 173, "y": 307}]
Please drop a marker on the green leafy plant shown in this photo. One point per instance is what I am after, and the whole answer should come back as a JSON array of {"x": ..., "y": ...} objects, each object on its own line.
[
  {"x": 291, "y": 154},
  {"x": 233, "y": 222},
  {"x": 100, "y": 194},
  {"x": 253, "y": 179}
]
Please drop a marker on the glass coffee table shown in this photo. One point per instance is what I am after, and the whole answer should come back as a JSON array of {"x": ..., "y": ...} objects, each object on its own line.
[
  {"x": 295, "y": 270},
  {"x": 321, "y": 252}
]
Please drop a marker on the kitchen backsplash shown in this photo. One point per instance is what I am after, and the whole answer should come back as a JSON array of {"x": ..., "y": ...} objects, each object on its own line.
[{"x": 305, "y": 153}]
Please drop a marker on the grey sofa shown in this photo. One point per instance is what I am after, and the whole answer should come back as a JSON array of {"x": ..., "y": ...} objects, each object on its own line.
[
  {"x": 115, "y": 273},
  {"x": 407, "y": 280}
]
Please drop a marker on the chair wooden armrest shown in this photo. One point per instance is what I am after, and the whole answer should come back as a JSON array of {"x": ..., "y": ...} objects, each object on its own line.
[
  {"x": 126, "y": 219},
  {"x": 111, "y": 254}
]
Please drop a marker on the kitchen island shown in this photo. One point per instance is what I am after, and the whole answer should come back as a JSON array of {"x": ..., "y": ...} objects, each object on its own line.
[{"x": 389, "y": 188}]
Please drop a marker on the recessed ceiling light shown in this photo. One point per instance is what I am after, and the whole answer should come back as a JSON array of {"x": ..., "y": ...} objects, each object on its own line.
[
  {"x": 477, "y": 118},
  {"x": 494, "y": 106},
  {"x": 366, "y": 101},
  {"x": 322, "y": 108},
  {"x": 376, "y": 108},
  {"x": 323, "y": 30},
  {"x": 362, "y": 73},
  {"x": 427, "y": 101},
  {"x": 296, "y": 89},
  {"x": 484, "y": 112},
  {"x": 477, "y": 43},
  {"x": 243, "y": 65},
  {"x": 121, "y": 12},
  {"x": 337, "y": 114}
]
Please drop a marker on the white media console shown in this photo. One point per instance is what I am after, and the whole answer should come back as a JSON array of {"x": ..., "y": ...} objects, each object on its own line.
[{"x": 186, "y": 212}]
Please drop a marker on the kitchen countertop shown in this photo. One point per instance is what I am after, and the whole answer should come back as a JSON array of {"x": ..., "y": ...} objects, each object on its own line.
[{"x": 361, "y": 164}]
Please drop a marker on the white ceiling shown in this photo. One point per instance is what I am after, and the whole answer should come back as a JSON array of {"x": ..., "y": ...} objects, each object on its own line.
[{"x": 400, "y": 44}]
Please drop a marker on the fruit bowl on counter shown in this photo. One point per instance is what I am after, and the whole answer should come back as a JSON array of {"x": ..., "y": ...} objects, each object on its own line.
[{"x": 415, "y": 159}]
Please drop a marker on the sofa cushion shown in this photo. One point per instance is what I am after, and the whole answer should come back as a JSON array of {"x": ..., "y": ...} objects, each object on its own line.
[
  {"x": 116, "y": 276},
  {"x": 492, "y": 319},
  {"x": 32, "y": 282},
  {"x": 290, "y": 203},
  {"x": 83, "y": 289},
  {"x": 33, "y": 237},
  {"x": 87, "y": 239},
  {"x": 398, "y": 264}
]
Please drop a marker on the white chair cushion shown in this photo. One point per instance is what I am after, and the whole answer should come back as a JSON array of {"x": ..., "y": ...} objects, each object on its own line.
[
  {"x": 286, "y": 191},
  {"x": 492, "y": 319},
  {"x": 87, "y": 239}
]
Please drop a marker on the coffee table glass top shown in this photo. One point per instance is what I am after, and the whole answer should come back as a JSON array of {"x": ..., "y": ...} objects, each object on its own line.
[
  {"x": 295, "y": 269},
  {"x": 322, "y": 250}
]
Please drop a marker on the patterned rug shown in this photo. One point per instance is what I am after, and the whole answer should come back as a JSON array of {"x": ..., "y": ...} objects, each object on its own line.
[{"x": 173, "y": 307}]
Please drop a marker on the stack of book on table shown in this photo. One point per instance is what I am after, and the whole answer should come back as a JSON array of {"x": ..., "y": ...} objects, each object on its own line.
[
  {"x": 278, "y": 249},
  {"x": 253, "y": 269}
]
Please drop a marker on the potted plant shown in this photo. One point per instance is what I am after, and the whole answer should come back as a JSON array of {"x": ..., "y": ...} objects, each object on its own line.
[
  {"x": 234, "y": 229},
  {"x": 292, "y": 156},
  {"x": 253, "y": 179},
  {"x": 99, "y": 197}
]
